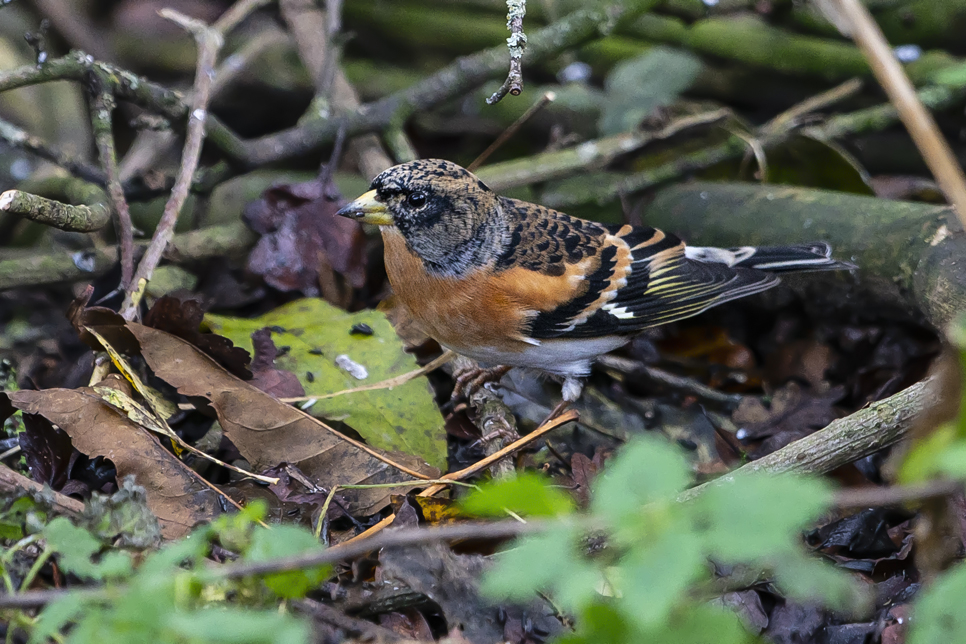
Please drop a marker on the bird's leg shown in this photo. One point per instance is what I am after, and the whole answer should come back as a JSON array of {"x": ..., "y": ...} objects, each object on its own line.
[
  {"x": 470, "y": 379},
  {"x": 571, "y": 390}
]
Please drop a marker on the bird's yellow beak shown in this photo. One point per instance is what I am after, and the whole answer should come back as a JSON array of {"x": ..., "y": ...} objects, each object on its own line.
[{"x": 367, "y": 210}]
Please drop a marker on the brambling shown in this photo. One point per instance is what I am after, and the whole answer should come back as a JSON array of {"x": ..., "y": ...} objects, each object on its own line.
[{"x": 507, "y": 282}]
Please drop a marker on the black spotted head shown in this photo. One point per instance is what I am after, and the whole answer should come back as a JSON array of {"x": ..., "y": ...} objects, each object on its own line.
[{"x": 448, "y": 217}]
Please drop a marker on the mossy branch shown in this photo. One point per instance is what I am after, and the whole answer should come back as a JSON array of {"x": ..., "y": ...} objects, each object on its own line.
[
  {"x": 78, "y": 219},
  {"x": 843, "y": 441}
]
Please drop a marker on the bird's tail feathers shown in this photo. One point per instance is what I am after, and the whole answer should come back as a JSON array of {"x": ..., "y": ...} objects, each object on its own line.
[{"x": 816, "y": 256}]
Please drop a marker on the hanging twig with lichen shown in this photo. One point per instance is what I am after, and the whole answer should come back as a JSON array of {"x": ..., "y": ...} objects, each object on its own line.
[{"x": 517, "y": 43}]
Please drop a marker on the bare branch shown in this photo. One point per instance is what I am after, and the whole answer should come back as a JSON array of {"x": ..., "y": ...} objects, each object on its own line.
[
  {"x": 17, "y": 138},
  {"x": 102, "y": 121},
  {"x": 517, "y": 43},
  {"x": 209, "y": 43},
  {"x": 917, "y": 119}
]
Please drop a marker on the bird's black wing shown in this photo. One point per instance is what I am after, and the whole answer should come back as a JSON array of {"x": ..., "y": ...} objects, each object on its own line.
[{"x": 645, "y": 278}]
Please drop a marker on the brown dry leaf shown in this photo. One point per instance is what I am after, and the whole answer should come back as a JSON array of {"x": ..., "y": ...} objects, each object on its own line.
[
  {"x": 183, "y": 319},
  {"x": 268, "y": 432},
  {"x": 302, "y": 238},
  {"x": 175, "y": 494},
  {"x": 280, "y": 383}
]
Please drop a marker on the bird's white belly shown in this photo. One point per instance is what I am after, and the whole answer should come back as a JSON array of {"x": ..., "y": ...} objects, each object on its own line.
[{"x": 560, "y": 357}]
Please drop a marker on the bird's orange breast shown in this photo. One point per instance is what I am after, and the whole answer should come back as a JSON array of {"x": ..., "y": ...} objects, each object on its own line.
[{"x": 482, "y": 309}]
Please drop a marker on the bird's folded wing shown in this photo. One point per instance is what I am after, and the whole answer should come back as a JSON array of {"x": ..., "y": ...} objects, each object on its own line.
[{"x": 643, "y": 279}]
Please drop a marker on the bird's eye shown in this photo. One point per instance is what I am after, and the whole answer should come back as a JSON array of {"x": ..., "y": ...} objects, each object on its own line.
[{"x": 416, "y": 199}]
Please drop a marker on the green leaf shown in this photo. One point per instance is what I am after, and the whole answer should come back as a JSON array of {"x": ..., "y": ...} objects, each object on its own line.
[
  {"x": 923, "y": 462},
  {"x": 939, "y": 614},
  {"x": 601, "y": 622},
  {"x": 526, "y": 494},
  {"x": 287, "y": 541},
  {"x": 57, "y": 615},
  {"x": 647, "y": 469},
  {"x": 757, "y": 517},
  {"x": 192, "y": 549},
  {"x": 701, "y": 624},
  {"x": 239, "y": 626},
  {"x": 952, "y": 461},
  {"x": 403, "y": 418},
  {"x": 533, "y": 563},
  {"x": 639, "y": 85},
  {"x": 76, "y": 546},
  {"x": 656, "y": 576},
  {"x": 808, "y": 579}
]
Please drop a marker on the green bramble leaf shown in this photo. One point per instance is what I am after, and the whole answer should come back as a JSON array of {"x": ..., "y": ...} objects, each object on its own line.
[
  {"x": 548, "y": 561},
  {"x": 601, "y": 622},
  {"x": 647, "y": 469},
  {"x": 76, "y": 547},
  {"x": 239, "y": 626},
  {"x": 287, "y": 541},
  {"x": 655, "y": 578},
  {"x": 56, "y": 616},
  {"x": 757, "y": 517},
  {"x": 526, "y": 494},
  {"x": 809, "y": 579},
  {"x": 938, "y": 614},
  {"x": 926, "y": 459}
]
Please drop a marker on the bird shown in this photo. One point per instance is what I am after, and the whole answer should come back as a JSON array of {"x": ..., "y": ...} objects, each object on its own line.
[{"x": 515, "y": 284}]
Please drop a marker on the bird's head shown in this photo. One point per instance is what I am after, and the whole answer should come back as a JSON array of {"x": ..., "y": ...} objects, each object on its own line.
[{"x": 448, "y": 217}]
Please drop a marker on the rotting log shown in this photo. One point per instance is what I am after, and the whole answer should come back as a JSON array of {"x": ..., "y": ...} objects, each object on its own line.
[{"x": 910, "y": 252}]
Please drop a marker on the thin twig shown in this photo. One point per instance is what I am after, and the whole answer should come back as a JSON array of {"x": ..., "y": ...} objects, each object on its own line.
[
  {"x": 917, "y": 119},
  {"x": 342, "y": 552},
  {"x": 517, "y": 43},
  {"x": 236, "y": 13},
  {"x": 368, "y": 631},
  {"x": 794, "y": 115},
  {"x": 451, "y": 81},
  {"x": 102, "y": 122},
  {"x": 477, "y": 467},
  {"x": 384, "y": 384},
  {"x": 365, "y": 448},
  {"x": 310, "y": 28},
  {"x": 866, "y": 497},
  {"x": 508, "y": 133},
  {"x": 209, "y": 43},
  {"x": 680, "y": 383},
  {"x": 589, "y": 155},
  {"x": 20, "y": 139},
  {"x": 151, "y": 145}
]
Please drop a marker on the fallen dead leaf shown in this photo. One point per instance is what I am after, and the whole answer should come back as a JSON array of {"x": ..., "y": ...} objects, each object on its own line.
[
  {"x": 303, "y": 239},
  {"x": 269, "y": 378},
  {"x": 268, "y": 432},
  {"x": 183, "y": 319},
  {"x": 175, "y": 494}
]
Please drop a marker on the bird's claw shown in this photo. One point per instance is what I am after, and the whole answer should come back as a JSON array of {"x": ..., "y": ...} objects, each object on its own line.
[{"x": 468, "y": 381}]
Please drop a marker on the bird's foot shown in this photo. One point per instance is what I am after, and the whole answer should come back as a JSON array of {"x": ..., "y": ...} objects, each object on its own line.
[{"x": 469, "y": 380}]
